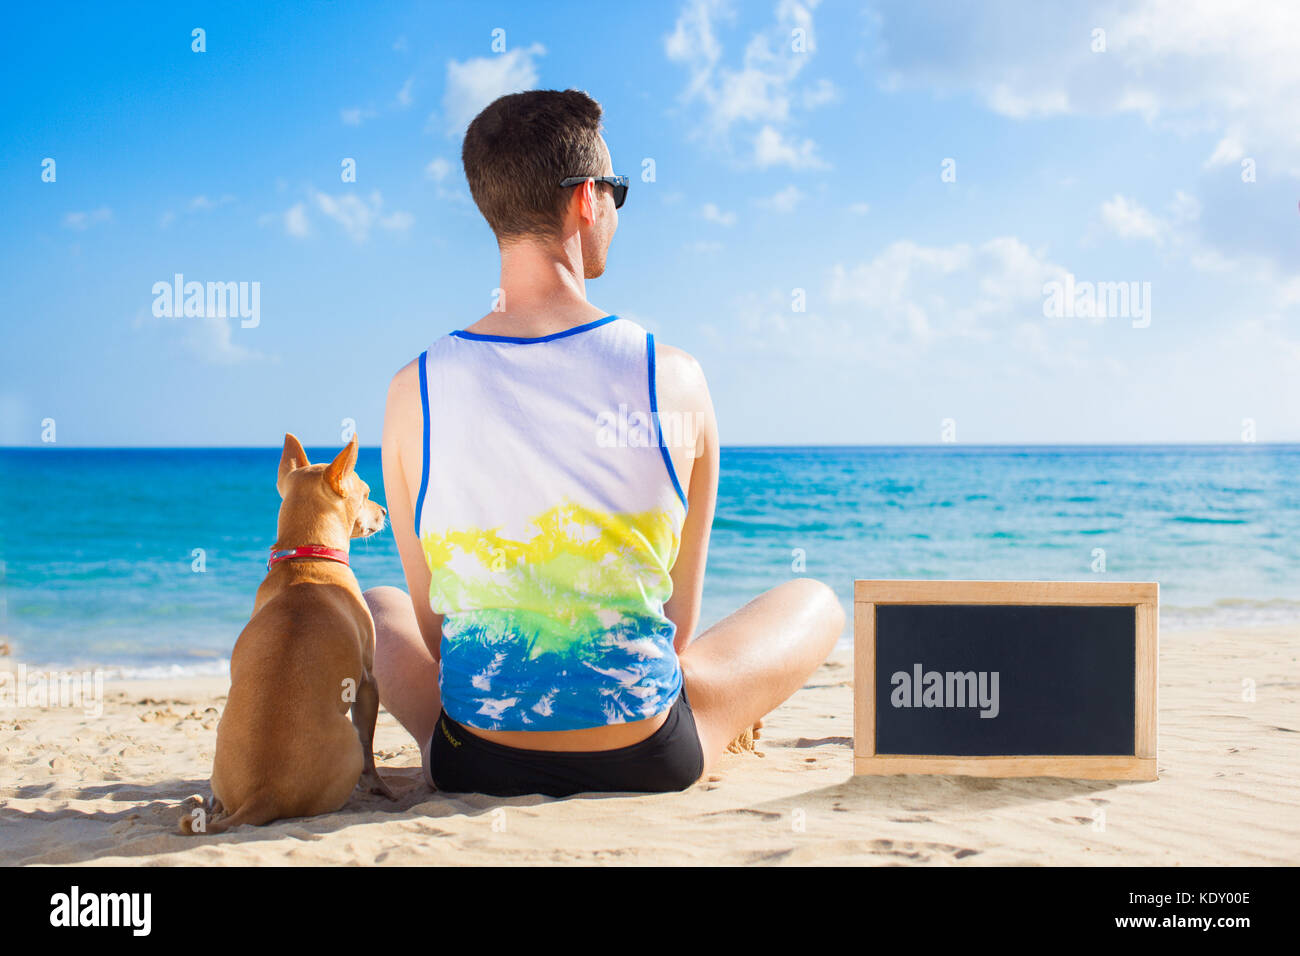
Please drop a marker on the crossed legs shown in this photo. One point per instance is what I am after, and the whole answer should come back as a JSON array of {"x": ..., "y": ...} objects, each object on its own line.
[
  {"x": 737, "y": 671},
  {"x": 753, "y": 660}
]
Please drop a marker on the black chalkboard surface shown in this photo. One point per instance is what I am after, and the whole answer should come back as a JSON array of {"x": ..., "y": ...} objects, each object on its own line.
[
  {"x": 1047, "y": 680},
  {"x": 1005, "y": 678}
]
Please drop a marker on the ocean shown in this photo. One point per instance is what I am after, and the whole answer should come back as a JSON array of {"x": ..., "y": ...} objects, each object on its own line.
[{"x": 145, "y": 561}]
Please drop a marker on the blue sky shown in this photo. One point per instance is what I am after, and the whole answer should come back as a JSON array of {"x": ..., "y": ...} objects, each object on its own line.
[{"x": 799, "y": 157}]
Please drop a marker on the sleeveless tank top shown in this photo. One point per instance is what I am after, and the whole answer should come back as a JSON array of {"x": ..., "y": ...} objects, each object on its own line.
[{"x": 549, "y": 515}]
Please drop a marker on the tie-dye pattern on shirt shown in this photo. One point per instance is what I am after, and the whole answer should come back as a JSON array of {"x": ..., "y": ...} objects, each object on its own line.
[{"x": 561, "y": 631}]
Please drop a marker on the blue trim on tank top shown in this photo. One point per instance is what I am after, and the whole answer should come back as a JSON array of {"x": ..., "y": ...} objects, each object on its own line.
[
  {"x": 477, "y": 337},
  {"x": 424, "y": 467},
  {"x": 654, "y": 417}
]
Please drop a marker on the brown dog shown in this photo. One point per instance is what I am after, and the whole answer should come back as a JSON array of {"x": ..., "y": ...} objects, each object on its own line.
[{"x": 285, "y": 746}]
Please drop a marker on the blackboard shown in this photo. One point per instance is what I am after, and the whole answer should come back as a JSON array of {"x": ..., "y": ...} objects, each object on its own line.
[{"x": 1005, "y": 678}]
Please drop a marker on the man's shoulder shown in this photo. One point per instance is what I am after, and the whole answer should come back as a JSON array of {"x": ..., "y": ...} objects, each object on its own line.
[
  {"x": 404, "y": 387},
  {"x": 407, "y": 378},
  {"x": 678, "y": 362},
  {"x": 679, "y": 378}
]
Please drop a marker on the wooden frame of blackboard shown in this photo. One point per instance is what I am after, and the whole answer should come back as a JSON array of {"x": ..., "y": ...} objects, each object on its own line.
[{"x": 1144, "y": 597}]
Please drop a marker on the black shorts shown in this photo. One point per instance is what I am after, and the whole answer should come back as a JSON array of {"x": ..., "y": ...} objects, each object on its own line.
[{"x": 669, "y": 759}]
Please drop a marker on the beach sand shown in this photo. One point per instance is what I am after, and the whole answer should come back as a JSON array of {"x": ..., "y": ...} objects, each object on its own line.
[{"x": 108, "y": 790}]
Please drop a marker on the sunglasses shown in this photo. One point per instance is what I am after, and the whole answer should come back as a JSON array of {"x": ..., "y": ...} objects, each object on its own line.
[{"x": 619, "y": 183}]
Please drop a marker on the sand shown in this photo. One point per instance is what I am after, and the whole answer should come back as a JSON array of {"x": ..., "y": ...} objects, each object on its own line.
[{"x": 108, "y": 790}]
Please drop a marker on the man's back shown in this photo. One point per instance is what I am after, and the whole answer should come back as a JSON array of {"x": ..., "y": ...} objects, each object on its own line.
[{"x": 550, "y": 539}]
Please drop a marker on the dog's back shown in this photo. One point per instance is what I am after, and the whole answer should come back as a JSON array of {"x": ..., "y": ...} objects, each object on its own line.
[{"x": 285, "y": 744}]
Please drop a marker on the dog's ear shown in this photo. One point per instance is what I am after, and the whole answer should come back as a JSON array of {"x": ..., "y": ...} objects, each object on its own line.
[
  {"x": 291, "y": 459},
  {"x": 336, "y": 475}
]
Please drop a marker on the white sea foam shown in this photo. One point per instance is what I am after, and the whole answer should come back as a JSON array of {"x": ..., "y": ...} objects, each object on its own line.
[{"x": 111, "y": 672}]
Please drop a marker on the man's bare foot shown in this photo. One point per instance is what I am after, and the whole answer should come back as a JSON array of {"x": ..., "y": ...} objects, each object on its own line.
[
  {"x": 744, "y": 742},
  {"x": 375, "y": 784}
]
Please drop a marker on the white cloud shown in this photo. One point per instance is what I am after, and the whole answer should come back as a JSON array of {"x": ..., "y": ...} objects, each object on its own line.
[
  {"x": 1195, "y": 64},
  {"x": 1275, "y": 284},
  {"x": 785, "y": 200},
  {"x": 821, "y": 93},
  {"x": 198, "y": 204},
  {"x": 773, "y": 149},
  {"x": 357, "y": 214},
  {"x": 1129, "y": 220},
  {"x": 693, "y": 43},
  {"x": 212, "y": 339},
  {"x": 923, "y": 294},
  {"x": 1185, "y": 208},
  {"x": 203, "y": 203},
  {"x": 704, "y": 246},
  {"x": 208, "y": 339},
  {"x": 1228, "y": 151},
  {"x": 764, "y": 90},
  {"x": 447, "y": 185},
  {"x": 1023, "y": 104},
  {"x": 859, "y": 208},
  {"x": 404, "y": 94},
  {"x": 295, "y": 221},
  {"x": 917, "y": 313},
  {"x": 712, "y": 213},
  {"x": 355, "y": 115},
  {"x": 397, "y": 221},
  {"x": 81, "y": 221},
  {"x": 474, "y": 83},
  {"x": 1277, "y": 288}
]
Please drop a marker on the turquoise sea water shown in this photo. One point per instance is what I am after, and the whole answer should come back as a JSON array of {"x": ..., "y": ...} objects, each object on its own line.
[{"x": 97, "y": 546}]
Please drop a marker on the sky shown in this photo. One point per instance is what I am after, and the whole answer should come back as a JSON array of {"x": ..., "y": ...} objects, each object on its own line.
[{"x": 872, "y": 223}]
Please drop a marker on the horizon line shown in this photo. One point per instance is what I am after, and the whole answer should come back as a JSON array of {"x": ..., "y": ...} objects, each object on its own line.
[{"x": 54, "y": 446}]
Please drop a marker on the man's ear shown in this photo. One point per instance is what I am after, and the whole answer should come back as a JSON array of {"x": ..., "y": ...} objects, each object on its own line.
[
  {"x": 588, "y": 201},
  {"x": 336, "y": 475},
  {"x": 291, "y": 459}
]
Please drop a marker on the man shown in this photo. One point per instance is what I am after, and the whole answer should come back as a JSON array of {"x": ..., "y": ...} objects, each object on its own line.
[{"x": 549, "y": 640}]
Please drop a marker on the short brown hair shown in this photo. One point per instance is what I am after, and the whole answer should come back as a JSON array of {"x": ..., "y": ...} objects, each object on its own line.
[{"x": 519, "y": 148}]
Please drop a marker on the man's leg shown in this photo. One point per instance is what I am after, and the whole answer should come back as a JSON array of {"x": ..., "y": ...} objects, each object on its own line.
[
  {"x": 750, "y": 662},
  {"x": 406, "y": 671}
]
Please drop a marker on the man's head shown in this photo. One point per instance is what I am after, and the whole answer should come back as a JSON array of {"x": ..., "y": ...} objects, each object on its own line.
[{"x": 516, "y": 153}]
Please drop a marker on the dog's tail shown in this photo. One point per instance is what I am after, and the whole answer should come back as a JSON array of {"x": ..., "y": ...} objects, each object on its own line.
[{"x": 258, "y": 810}]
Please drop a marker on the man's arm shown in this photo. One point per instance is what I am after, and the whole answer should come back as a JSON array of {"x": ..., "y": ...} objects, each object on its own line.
[
  {"x": 403, "y": 451},
  {"x": 684, "y": 392}
]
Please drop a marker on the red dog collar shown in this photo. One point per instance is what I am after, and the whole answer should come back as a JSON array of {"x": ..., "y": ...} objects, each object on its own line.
[{"x": 308, "y": 551}]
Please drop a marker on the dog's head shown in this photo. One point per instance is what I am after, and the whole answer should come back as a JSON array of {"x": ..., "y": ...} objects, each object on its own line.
[{"x": 322, "y": 501}]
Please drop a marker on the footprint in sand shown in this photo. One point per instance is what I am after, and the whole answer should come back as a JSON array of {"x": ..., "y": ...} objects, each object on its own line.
[
  {"x": 804, "y": 742},
  {"x": 920, "y": 851},
  {"x": 746, "y": 811}
]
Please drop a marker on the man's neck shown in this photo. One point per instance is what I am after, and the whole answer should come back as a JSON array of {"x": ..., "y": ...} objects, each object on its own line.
[{"x": 542, "y": 291}]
